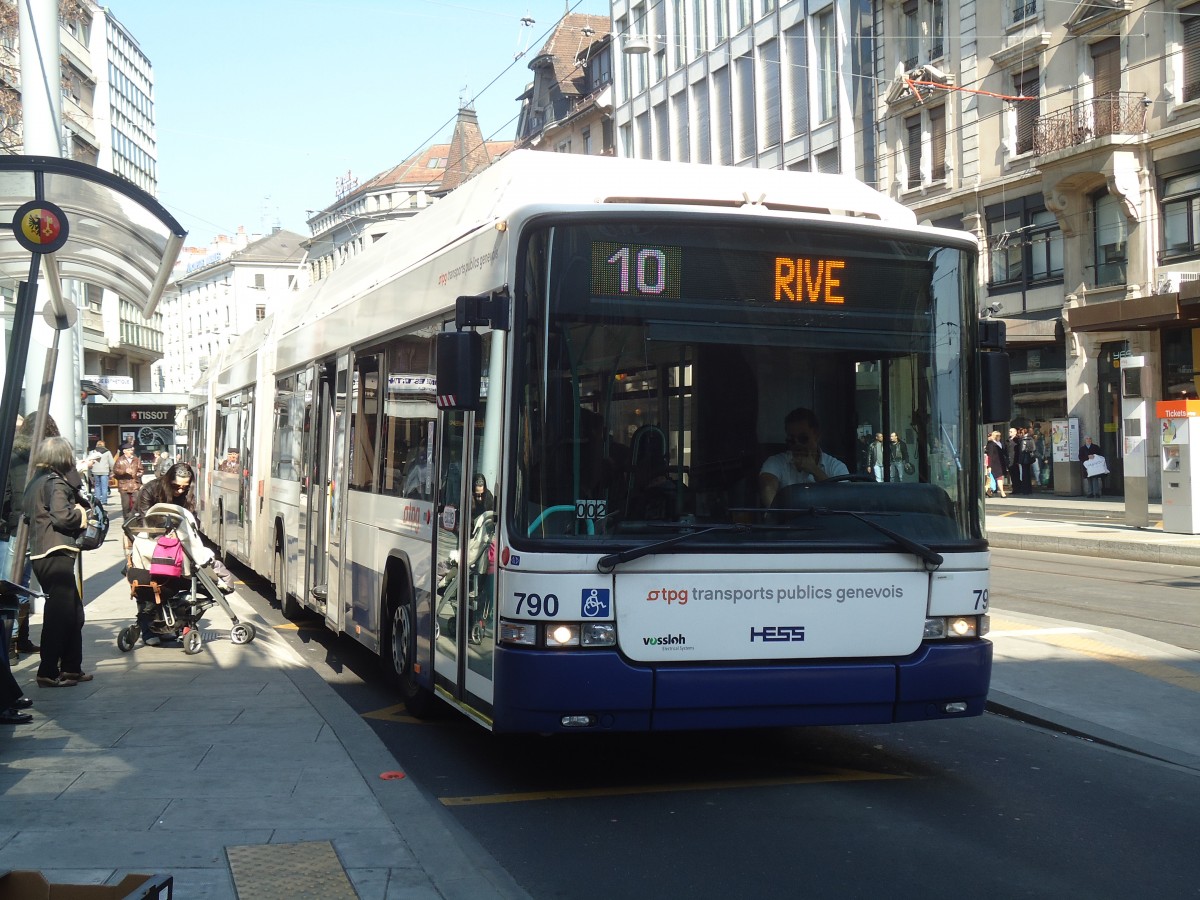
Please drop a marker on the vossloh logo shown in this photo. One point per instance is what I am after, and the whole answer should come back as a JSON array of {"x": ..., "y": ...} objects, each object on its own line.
[{"x": 666, "y": 640}]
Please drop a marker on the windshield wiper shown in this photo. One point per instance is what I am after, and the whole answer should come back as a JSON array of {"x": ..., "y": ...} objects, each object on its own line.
[
  {"x": 606, "y": 564},
  {"x": 926, "y": 554}
]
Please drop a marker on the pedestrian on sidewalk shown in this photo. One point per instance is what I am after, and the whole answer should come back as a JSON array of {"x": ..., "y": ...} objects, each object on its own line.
[
  {"x": 128, "y": 472},
  {"x": 56, "y": 518},
  {"x": 997, "y": 465},
  {"x": 14, "y": 510},
  {"x": 13, "y": 703},
  {"x": 1093, "y": 484},
  {"x": 101, "y": 471}
]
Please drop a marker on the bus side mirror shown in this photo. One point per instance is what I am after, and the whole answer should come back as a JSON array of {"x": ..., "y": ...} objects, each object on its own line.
[
  {"x": 459, "y": 366},
  {"x": 997, "y": 386},
  {"x": 993, "y": 371}
]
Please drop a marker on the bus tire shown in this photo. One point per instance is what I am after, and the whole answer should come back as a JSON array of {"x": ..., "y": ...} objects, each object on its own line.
[
  {"x": 287, "y": 603},
  {"x": 399, "y": 651}
]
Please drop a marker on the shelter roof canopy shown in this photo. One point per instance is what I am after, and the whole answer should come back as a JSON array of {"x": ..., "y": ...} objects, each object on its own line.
[{"x": 119, "y": 236}]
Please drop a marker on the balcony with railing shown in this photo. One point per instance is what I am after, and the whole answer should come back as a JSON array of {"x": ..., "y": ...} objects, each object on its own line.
[{"x": 1115, "y": 113}]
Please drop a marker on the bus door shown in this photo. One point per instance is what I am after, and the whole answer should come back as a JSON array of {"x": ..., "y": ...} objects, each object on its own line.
[
  {"x": 452, "y": 534},
  {"x": 242, "y": 530},
  {"x": 465, "y": 549},
  {"x": 319, "y": 530}
]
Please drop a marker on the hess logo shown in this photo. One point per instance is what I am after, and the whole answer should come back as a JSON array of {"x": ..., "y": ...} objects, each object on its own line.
[{"x": 772, "y": 633}]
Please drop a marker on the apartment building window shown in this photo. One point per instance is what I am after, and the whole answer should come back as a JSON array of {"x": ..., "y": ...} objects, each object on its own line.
[
  {"x": 679, "y": 112},
  {"x": 1023, "y": 9},
  {"x": 1025, "y": 246},
  {"x": 659, "y": 40},
  {"x": 722, "y": 105},
  {"x": 720, "y": 21},
  {"x": 795, "y": 69},
  {"x": 1181, "y": 215},
  {"x": 912, "y": 151},
  {"x": 702, "y": 116},
  {"x": 768, "y": 79},
  {"x": 587, "y": 141},
  {"x": 743, "y": 71},
  {"x": 260, "y": 312},
  {"x": 679, "y": 33},
  {"x": 699, "y": 29},
  {"x": 937, "y": 29},
  {"x": 1189, "y": 22},
  {"x": 564, "y": 146},
  {"x": 1026, "y": 84},
  {"x": 937, "y": 143},
  {"x": 912, "y": 34},
  {"x": 1110, "y": 235},
  {"x": 828, "y": 162},
  {"x": 645, "y": 150},
  {"x": 662, "y": 132},
  {"x": 260, "y": 281},
  {"x": 925, "y": 147},
  {"x": 600, "y": 68},
  {"x": 768, "y": 6},
  {"x": 745, "y": 13},
  {"x": 827, "y": 65}
]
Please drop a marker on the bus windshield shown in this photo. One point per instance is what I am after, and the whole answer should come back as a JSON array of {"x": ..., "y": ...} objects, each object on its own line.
[{"x": 801, "y": 381}]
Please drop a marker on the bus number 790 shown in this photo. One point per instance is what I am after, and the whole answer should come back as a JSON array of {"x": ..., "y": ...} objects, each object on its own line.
[{"x": 536, "y": 604}]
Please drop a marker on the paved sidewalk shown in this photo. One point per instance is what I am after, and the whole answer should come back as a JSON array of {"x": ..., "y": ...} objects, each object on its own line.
[
  {"x": 1107, "y": 685},
  {"x": 165, "y": 761}
]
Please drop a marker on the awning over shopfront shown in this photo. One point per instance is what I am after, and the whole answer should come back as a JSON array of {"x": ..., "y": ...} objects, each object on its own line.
[
  {"x": 117, "y": 235},
  {"x": 1032, "y": 331},
  {"x": 1139, "y": 313}
]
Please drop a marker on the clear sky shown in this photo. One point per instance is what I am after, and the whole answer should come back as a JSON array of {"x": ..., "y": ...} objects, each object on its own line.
[{"x": 262, "y": 104}]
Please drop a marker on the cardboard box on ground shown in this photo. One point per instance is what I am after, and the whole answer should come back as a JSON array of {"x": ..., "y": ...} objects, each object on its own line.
[{"x": 34, "y": 886}]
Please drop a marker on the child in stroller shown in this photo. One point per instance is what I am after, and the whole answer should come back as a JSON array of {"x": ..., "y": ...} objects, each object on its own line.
[{"x": 171, "y": 581}]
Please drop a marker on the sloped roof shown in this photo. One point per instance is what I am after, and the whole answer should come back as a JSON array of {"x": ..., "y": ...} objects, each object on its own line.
[
  {"x": 565, "y": 43},
  {"x": 282, "y": 246}
]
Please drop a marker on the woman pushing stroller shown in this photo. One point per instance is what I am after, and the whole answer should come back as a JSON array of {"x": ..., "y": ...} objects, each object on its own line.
[{"x": 175, "y": 487}]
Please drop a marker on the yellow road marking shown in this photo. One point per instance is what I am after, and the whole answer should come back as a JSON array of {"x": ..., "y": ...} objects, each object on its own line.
[
  {"x": 395, "y": 713},
  {"x": 829, "y": 775},
  {"x": 1096, "y": 649}
]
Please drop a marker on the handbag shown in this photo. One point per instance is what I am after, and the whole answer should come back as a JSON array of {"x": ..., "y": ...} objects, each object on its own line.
[
  {"x": 96, "y": 530},
  {"x": 1095, "y": 465}
]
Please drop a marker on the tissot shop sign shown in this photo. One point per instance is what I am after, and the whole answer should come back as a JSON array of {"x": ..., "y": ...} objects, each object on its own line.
[{"x": 117, "y": 414}]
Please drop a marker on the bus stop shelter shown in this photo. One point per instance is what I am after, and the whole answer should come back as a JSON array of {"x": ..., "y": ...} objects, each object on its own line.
[{"x": 63, "y": 219}]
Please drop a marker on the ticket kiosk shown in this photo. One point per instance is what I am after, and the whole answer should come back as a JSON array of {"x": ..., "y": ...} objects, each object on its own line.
[{"x": 1179, "y": 421}]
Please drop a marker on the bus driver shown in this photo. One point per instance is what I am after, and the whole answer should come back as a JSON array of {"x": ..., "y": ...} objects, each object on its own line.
[{"x": 802, "y": 462}]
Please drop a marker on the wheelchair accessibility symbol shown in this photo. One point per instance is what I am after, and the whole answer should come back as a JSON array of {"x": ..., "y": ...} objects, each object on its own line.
[{"x": 595, "y": 603}]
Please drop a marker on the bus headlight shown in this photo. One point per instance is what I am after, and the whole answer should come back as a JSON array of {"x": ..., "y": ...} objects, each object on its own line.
[
  {"x": 941, "y": 628},
  {"x": 599, "y": 634},
  {"x": 524, "y": 633},
  {"x": 562, "y": 635}
]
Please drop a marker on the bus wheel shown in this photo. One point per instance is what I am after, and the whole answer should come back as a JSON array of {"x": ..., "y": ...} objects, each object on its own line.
[
  {"x": 399, "y": 653},
  {"x": 287, "y": 604}
]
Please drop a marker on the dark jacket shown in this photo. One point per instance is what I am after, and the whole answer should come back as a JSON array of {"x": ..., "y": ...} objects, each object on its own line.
[
  {"x": 1085, "y": 451},
  {"x": 55, "y": 515},
  {"x": 14, "y": 490}
]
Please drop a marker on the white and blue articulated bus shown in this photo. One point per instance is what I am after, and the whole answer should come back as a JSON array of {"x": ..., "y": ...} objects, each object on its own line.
[{"x": 592, "y": 444}]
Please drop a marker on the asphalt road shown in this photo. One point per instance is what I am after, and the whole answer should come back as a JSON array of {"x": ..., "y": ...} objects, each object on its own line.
[{"x": 990, "y": 807}]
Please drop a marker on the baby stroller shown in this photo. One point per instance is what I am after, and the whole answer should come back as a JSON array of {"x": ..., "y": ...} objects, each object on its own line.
[
  {"x": 169, "y": 581},
  {"x": 483, "y": 530}
]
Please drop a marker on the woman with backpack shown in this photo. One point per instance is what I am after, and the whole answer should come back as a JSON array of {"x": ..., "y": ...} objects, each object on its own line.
[
  {"x": 176, "y": 486},
  {"x": 56, "y": 519}
]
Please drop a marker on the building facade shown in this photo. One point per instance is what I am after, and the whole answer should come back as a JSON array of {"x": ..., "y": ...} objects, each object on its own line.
[
  {"x": 781, "y": 85},
  {"x": 1066, "y": 136},
  {"x": 221, "y": 295}
]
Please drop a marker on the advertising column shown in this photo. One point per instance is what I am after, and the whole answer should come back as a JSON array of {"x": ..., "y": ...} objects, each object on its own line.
[{"x": 1064, "y": 445}]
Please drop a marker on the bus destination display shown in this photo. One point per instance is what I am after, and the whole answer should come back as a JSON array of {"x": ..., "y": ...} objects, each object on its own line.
[{"x": 633, "y": 271}]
